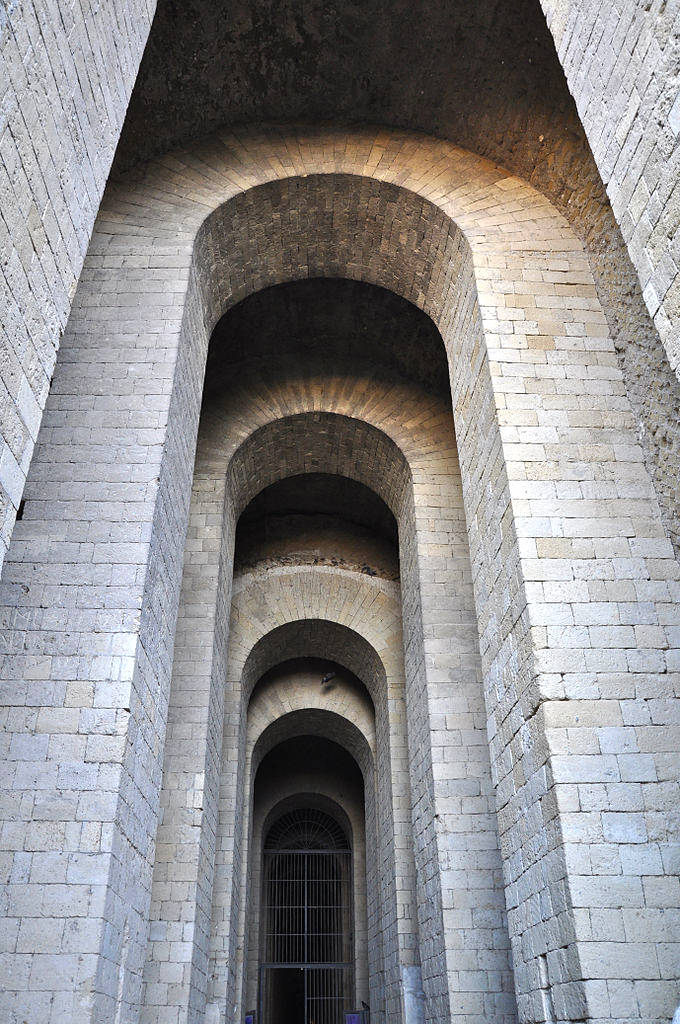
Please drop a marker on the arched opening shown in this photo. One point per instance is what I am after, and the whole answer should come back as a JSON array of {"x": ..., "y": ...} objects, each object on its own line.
[
  {"x": 327, "y": 447},
  {"x": 311, "y": 731},
  {"x": 317, "y": 504},
  {"x": 507, "y": 284},
  {"x": 306, "y": 919},
  {"x": 312, "y": 810},
  {"x": 349, "y": 541}
]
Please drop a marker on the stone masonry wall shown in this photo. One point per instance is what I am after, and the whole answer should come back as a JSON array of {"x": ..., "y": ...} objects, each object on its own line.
[
  {"x": 578, "y": 632},
  {"x": 621, "y": 59},
  {"x": 328, "y": 789},
  {"x": 66, "y": 76}
]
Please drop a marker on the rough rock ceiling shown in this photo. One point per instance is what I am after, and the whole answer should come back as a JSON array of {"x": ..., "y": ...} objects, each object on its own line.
[
  {"x": 318, "y": 519},
  {"x": 482, "y": 73},
  {"x": 308, "y": 756}
]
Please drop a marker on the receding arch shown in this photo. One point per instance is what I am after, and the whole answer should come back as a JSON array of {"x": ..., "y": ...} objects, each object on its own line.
[
  {"x": 311, "y": 771},
  {"x": 364, "y": 656},
  {"x": 351, "y": 217},
  {"x": 320, "y": 638},
  {"x": 402, "y": 444},
  {"x": 279, "y": 808},
  {"x": 510, "y": 231},
  {"x": 331, "y": 320},
  {"x": 316, "y": 722},
  {"x": 339, "y": 726},
  {"x": 414, "y": 454},
  {"x": 313, "y": 442}
]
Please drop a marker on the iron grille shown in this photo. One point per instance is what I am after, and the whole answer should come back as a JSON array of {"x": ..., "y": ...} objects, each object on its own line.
[
  {"x": 306, "y": 830},
  {"x": 306, "y": 975}
]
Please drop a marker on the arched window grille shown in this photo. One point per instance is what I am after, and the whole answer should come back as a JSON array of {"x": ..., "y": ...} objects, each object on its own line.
[{"x": 306, "y": 970}]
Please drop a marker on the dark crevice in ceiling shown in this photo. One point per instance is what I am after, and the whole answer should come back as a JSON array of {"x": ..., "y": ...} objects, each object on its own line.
[
  {"x": 322, "y": 494},
  {"x": 318, "y": 519}
]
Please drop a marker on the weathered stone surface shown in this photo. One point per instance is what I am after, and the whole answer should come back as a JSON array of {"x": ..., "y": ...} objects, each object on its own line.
[
  {"x": 66, "y": 76},
  {"x": 621, "y": 61},
  {"x": 574, "y": 582}
]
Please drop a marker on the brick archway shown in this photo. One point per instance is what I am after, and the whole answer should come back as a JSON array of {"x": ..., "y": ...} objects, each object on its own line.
[{"x": 547, "y": 451}]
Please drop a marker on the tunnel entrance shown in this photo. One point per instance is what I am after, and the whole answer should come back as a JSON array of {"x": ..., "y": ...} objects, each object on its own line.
[{"x": 306, "y": 972}]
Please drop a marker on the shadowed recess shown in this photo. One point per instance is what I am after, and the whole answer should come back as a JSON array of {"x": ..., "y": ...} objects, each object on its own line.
[
  {"x": 329, "y": 322},
  {"x": 318, "y": 518}
]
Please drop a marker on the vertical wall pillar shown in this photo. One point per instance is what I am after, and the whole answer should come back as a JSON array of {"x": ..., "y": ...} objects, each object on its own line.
[
  {"x": 576, "y": 589},
  {"x": 53, "y": 171},
  {"x": 620, "y": 62},
  {"x": 176, "y": 969},
  {"x": 89, "y": 601},
  {"x": 463, "y": 930}
]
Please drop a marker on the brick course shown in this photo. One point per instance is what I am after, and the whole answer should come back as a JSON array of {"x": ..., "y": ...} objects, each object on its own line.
[
  {"x": 574, "y": 580},
  {"x": 621, "y": 62},
  {"x": 67, "y": 72}
]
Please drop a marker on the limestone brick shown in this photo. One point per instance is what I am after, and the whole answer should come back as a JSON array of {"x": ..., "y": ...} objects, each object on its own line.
[
  {"x": 548, "y": 457},
  {"x": 621, "y": 62},
  {"x": 67, "y": 75}
]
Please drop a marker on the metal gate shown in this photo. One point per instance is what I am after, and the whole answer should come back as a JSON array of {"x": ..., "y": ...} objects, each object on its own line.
[{"x": 306, "y": 969}]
